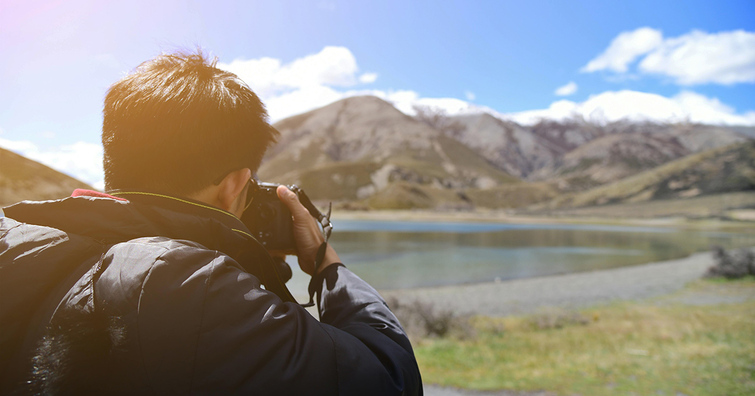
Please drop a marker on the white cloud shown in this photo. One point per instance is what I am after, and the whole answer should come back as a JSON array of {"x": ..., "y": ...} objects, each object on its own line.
[
  {"x": 711, "y": 110},
  {"x": 469, "y": 95},
  {"x": 292, "y": 88},
  {"x": 81, "y": 160},
  {"x": 694, "y": 58},
  {"x": 261, "y": 74},
  {"x": 700, "y": 58},
  {"x": 332, "y": 66},
  {"x": 613, "y": 106},
  {"x": 301, "y": 100},
  {"x": 624, "y": 49},
  {"x": 368, "y": 78},
  {"x": 566, "y": 90}
]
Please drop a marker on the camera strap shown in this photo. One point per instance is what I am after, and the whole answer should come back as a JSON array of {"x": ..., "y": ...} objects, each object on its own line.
[
  {"x": 323, "y": 219},
  {"x": 313, "y": 283},
  {"x": 327, "y": 228}
]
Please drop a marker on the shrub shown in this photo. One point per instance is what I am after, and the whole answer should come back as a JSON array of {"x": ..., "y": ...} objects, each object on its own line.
[
  {"x": 731, "y": 264},
  {"x": 423, "y": 319},
  {"x": 553, "y": 318}
]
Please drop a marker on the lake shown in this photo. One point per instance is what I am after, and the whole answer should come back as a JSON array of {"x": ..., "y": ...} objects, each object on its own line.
[{"x": 407, "y": 254}]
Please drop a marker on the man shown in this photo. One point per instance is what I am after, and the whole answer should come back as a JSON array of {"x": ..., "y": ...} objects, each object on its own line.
[{"x": 157, "y": 286}]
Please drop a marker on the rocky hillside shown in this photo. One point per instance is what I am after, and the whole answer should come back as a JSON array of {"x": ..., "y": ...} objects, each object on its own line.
[
  {"x": 362, "y": 149},
  {"x": 578, "y": 155},
  {"x": 24, "y": 179}
]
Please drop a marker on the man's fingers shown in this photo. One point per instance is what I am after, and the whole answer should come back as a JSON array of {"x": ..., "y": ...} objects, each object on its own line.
[{"x": 291, "y": 201}]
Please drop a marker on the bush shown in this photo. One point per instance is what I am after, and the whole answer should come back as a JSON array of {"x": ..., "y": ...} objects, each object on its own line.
[
  {"x": 554, "y": 318},
  {"x": 422, "y": 319},
  {"x": 731, "y": 264}
]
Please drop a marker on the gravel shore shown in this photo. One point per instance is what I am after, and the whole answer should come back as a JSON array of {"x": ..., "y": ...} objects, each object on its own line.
[{"x": 575, "y": 290}]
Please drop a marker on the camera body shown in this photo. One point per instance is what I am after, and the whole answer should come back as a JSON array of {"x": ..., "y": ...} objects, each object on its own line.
[{"x": 269, "y": 219}]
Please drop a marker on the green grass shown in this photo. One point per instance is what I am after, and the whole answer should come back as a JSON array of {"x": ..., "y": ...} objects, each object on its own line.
[{"x": 645, "y": 349}]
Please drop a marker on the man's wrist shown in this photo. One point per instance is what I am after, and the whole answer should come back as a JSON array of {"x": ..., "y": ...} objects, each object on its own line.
[{"x": 330, "y": 258}]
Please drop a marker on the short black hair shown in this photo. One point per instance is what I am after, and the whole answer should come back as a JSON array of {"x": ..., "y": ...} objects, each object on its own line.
[{"x": 177, "y": 123}]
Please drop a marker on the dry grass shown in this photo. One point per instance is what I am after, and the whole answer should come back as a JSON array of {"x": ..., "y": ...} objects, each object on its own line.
[
  {"x": 718, "y": 205},
  {"x": 621, "y": 349}
]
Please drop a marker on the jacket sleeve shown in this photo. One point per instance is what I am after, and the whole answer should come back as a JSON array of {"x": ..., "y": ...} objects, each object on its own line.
[
  {"x": 362, "y": 326},
  {"x": 214, "y": 329}
]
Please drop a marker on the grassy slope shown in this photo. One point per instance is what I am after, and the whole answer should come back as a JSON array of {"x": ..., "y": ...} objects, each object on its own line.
[
  {"x": 514, "y": 195},
  {"x": 628, "y": 348}
]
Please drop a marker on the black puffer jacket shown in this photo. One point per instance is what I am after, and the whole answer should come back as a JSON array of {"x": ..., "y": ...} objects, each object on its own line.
[{"x": 156, "y": 295}]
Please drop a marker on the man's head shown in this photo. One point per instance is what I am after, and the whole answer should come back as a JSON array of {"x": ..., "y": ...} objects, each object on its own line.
[{"x": 178, "y": 123}]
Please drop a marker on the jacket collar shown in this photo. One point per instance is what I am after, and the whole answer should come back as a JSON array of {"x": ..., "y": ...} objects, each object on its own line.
[{"x": 125, "y": 215}]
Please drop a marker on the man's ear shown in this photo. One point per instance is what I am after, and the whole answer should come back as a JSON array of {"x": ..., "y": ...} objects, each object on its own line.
[{"x": 230, "y": 191}]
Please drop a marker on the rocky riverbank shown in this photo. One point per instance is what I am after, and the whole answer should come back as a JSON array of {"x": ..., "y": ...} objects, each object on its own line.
[{"x": 521, "y": 296}]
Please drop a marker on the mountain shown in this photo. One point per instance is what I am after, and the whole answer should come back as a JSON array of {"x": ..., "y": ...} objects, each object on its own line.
[
  {"x": 720, "y": 170},
  {"x": 24, "y": 179},
  {"x": 576, "y": 155},
  {"x": 361, "y": 149},
  {"x": 625, "y": 151},
  {"x": 507, "y": 145}
]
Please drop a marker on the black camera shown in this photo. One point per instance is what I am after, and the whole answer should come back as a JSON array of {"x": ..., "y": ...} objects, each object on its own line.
[{"x": 270, "y": 221}]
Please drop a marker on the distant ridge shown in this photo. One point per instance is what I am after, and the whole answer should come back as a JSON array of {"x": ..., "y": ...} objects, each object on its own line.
[
  {"x": 720, "y": 170},
  {"x": 24, "y": 179}
]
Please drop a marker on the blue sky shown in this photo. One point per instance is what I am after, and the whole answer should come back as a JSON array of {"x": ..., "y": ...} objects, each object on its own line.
[{"x": 510, "y": 57}]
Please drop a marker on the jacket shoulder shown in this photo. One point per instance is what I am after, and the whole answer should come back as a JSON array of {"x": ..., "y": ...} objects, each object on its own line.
[{"x": 134, "y": 271}]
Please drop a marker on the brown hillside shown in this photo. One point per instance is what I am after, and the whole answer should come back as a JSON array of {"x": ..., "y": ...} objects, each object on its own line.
[{"x": 24, "y": 179}]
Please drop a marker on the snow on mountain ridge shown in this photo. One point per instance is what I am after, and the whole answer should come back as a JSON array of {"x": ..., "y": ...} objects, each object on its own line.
[{"x": 603, "y": 108}]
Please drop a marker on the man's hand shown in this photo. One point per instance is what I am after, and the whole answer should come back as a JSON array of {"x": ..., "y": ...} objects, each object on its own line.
[{"x": 306, "y": 233}]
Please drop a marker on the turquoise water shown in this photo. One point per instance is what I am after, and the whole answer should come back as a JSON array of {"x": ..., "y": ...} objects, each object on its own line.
[{"x": 404, "y": 254}]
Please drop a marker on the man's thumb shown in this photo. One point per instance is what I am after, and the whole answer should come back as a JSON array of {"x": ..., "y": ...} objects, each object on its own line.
[{"x": 291, "y": 200}]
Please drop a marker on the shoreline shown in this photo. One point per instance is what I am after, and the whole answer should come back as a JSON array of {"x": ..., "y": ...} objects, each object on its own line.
[
  {"x": 502, "y": 216},
  {"x": 570, "y": 291}
]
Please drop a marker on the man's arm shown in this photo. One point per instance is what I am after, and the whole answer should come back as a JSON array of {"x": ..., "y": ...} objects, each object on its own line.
[{"x": 352, "y": 306}]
